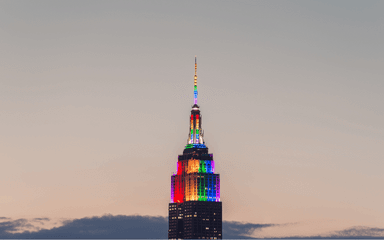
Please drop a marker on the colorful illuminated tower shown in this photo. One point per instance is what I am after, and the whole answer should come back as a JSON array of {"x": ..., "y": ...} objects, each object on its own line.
[{"x": 195, "y": 211}]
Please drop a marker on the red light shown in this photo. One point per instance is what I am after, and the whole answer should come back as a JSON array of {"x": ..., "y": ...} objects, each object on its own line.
[
  {"x": 179, "y": 168},
  {"x": 179, "y": 189}
]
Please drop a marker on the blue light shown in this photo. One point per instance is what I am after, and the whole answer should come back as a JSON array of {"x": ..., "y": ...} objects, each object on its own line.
[
  {"x": 208, "y": 167},
  {"x": 199, "y": 146},
  {"x": 195, "y": 146}
]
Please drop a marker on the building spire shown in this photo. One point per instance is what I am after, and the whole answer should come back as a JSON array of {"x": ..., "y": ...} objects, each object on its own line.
[
  {"x": 195, "y": 81},
  {"x": 195, "y": 138}
]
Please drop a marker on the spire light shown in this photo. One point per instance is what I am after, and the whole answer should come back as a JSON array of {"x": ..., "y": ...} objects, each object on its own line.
[{"x": 195, "y": 81}]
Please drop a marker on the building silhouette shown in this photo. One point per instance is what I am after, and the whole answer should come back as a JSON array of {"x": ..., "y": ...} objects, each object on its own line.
[{"x": 195, "y": 211}]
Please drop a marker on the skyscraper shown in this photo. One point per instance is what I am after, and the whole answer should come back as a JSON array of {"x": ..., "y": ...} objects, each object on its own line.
[{"x": 195, "y": 211}]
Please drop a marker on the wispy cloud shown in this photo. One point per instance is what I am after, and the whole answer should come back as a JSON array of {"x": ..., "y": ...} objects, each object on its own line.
[
  {"x": 14, "y": 226},
  {"x": 40, "y": 219},
  {"x": 242, "y": 230},
  {"x": 358, "y": 232}
]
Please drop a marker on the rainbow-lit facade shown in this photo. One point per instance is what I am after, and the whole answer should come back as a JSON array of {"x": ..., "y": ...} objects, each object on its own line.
[{"x": 195, "y": 208}]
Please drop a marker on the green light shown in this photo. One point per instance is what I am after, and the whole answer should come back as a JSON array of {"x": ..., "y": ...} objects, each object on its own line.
[
  {"x": 202, "y": 168},
  {"x": 202, "y": 195}
]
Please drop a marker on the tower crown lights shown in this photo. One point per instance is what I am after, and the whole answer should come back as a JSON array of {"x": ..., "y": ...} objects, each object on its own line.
[
  {"x": 195, "y": 211},
  {"x": 195, "y": 137},
  {"x": 195, "y": 179}
]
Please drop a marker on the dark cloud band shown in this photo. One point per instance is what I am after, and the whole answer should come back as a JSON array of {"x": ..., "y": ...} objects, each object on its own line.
[
  {"x": 117, "y": 227},
  {"x": 123, "y": 227}
]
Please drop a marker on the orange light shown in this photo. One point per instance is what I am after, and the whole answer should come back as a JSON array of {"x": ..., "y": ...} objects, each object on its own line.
[
  {"x": 193, "y": 166},
  {"x": 191, "y": 188}
]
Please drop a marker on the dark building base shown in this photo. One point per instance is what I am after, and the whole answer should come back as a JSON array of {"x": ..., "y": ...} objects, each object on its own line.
[{"x": 195, "y": 220}]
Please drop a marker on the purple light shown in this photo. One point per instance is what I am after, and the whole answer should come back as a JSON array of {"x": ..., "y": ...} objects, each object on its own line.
[
  {"x": 172, "y": 188},
  {"x": 217, "y": 189}
]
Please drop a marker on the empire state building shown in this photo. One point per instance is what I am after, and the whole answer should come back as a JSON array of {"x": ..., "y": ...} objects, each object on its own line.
[{"x": 195, "y": 211}]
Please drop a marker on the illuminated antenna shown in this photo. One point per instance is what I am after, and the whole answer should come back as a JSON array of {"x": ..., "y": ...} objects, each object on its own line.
[{"x": 195, "y": 87}]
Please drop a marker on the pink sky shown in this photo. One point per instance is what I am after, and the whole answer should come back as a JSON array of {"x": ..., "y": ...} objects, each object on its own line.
[{"x": 95, "y": 97}]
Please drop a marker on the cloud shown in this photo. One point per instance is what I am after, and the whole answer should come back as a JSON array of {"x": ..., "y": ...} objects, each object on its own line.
[
  {"x": 109, "y": 226},
  {"x": 40, "y": 219},
  {"x": 236, "y": 230},
  {"x": 96, "y": 227},
  {"x": 11, "y": 227},
  {"x": 123, "y": 227},
  {"x": 359, "y": 232}
]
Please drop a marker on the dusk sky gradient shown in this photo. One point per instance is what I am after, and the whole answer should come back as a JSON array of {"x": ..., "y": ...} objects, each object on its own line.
[{"x": 95, "y": 99}]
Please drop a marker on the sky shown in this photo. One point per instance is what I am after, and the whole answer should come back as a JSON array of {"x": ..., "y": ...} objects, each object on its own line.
[{"x": 95, "y": 99}]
